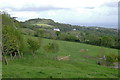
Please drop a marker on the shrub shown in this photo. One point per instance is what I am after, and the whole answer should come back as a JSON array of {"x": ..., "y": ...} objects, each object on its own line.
[
  {"x": 52, "y": 47},
  {"x": 12, "y": 40},
  {"x": 39, "y": 33},
  {"x": 34, "y": 44},
  {"x": 111, "y": 58},
  {"x": 68, "y": 37}
]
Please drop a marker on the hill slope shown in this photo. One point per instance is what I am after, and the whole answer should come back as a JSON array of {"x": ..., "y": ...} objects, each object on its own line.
[
  {"x": 106, "y": 37},
  {"x": 44, "y": 65},
  {"x": 81, "y": 62},
  {"x": 67, "y": 27}
]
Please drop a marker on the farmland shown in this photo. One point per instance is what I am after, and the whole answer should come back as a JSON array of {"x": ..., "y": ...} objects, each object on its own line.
[
  {"x": 80, "y": 65},
  {"x": 32, "y": 51}
]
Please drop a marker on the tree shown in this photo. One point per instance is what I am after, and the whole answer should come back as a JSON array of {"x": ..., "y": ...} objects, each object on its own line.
[
  {"x": 52, "y": 47},
  {"x": 111, "y": 58},
  {"x": 39, "y": 33},
  {"x": 58, "y": 34},
  {"x": 107, "y": 41},
  {"x": 34, "y": 44},
  {"x": 12, "y": 41},
  {"x": 11, "y": 38}
]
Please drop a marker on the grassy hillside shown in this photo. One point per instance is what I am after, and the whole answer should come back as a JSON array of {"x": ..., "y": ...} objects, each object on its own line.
[
  {"x": 44, "y": 25},
  {"x": 0, "y": 69},
  {"x": 80, "y": 59},
  {"x": 67, "y": 27},
  {"x": 106, "y": 37},
  {"x": 82, "y": 64}
]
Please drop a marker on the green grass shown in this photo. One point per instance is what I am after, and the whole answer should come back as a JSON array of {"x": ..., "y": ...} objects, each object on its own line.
[
  {"x": 43, "y": 65},
  {"x": 0, "y": 70},
  {"x": 27, "y": 31},
  {"x": 44, "y": 25}
]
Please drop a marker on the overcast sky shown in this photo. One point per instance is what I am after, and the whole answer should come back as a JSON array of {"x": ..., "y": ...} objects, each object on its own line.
[{"x": 79, "y": 12}]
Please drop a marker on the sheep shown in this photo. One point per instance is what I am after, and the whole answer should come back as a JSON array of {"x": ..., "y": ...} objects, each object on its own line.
[{"x": 63, "y": 57}]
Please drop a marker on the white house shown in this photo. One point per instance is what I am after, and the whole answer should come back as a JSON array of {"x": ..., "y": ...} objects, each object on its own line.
[
  {"x": 56, "y": 29},
  {"x": 97, "y": 28},
  {"x": 74, "y": 29}
]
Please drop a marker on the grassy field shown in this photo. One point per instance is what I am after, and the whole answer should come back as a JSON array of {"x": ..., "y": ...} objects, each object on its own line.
[
  {"x": 82, "y": 64},
  {"x": 44, "y": 25},
  {"x": 0, "y": 70}
]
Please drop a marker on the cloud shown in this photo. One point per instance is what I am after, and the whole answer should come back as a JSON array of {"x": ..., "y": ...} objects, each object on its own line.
[
  {"x": 111, "y": 4},
  {"x": 66, "y": 11},
  {"x": 34, "y": 8},
  {"x": 89, "y": 7},
  {"x": 41, "y": 8}
]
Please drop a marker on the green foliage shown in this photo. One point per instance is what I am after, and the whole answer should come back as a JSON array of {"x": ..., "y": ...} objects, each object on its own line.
[
  {"x": 52, "y": 47},
  {"x": 68, "y": 37},
  {"x": 34, "y": 44},
  {"x": 6, "y": 20},
  {"x": 107, "y": 41},
  {"x": 39, "y": 33},
  {"x": 12, "y": 40},
  {"x": 58, "y": 34},
  {"x": 111, "y": 58},
  {"x": 39, "y": 21},
  {"x": 27, "y": 31}
]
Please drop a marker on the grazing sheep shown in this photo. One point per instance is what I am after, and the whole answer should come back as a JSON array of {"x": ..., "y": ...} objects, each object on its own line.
[{"x": 63, "y": 57}]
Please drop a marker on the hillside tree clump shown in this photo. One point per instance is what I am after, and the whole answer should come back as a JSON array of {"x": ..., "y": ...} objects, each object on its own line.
[
  {"x": 34, "y": 44},
  {"x": 111, "y": 59},
  {"x": 39, "y": 33},
  {"x": 11, "y": 39},
  {"x": 52, "y": 47}
]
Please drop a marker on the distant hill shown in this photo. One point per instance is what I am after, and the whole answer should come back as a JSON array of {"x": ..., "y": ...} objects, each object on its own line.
[
  {"x": 68, "y": 32},
  {"x": 48, "y": 23},
  {"x": 40, "y": 21},
  {"x": 91, "y": 35}
]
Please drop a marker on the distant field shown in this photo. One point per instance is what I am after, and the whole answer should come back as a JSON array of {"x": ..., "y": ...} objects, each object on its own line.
[
  {"x": 44, "y": 25},
  {"x": 82, "y": 64}
]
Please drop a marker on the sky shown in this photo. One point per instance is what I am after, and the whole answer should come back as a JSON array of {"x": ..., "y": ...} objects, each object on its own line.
[{"x": 77, "y": 12}]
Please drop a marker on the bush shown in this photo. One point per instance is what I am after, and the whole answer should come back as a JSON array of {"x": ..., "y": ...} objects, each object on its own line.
[
  {"x": 111, "y": 58},
  {"x": 69, "y": 37},
  {"x": 52, "y": 47},
  {"x": 12, "y": 39},
  {"x": 39, "y": 33},
  {"x": 34, "y": 44}
]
